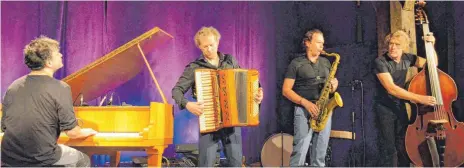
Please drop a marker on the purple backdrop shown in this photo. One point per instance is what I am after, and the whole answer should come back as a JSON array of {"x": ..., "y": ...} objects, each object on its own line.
[
  {"x": 262, "y": 35},
  {"x": 88, "y": 30}
]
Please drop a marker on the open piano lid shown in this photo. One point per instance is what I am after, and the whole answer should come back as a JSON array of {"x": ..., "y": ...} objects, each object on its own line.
[{"x": 116, "y": 67}]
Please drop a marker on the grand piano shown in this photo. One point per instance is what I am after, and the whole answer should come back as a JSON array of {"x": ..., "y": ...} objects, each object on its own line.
[{"x": 121, "y": 128}]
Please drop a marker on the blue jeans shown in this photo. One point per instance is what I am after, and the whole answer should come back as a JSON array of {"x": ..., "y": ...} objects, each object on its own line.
[
  {"x": 302, "y": 140},
  {"x": 231, "y": 139}
]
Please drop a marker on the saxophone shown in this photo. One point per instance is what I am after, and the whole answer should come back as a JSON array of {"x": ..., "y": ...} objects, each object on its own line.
[{"x": 326, "y": 105}]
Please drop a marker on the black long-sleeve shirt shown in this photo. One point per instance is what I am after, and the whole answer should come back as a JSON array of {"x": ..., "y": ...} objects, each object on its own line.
[{"x": 187, "y": 80}]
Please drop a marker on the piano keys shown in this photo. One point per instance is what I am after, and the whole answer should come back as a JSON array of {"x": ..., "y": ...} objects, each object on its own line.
[{"x": 108, "y": 135}]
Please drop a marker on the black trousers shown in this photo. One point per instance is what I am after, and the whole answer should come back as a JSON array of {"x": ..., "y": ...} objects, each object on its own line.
[
  {"x": 392, "y": 122},
  {"x": 231, "y": 139}
]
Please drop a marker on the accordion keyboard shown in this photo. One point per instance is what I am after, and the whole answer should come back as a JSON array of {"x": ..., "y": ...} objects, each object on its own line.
[{"x": 206, "y": 93}]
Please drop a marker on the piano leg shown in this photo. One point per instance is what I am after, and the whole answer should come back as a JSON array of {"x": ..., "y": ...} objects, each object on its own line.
[
  {"x": 115, "y": 158},
  {"x": 155, "y": 155}
]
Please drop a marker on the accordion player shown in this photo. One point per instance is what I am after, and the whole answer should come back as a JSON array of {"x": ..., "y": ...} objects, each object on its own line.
[{"x": 228, "y": 97}]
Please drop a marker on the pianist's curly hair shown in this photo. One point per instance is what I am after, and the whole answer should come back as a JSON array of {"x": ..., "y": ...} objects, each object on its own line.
[
  {"x": 206, "y": 31},
  {"x": 38, "y": 51}
]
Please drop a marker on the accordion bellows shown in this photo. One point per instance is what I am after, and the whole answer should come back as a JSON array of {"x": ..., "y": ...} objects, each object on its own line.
[{"x": 228, "y": 97}]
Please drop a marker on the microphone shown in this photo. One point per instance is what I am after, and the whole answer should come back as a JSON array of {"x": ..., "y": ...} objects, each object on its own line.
[
  {"x": 110, "y": 101},
  {"x": 101, "y": 102},
  {"x": 355, "y": 82},
  {"x": 82, "y": 99}
]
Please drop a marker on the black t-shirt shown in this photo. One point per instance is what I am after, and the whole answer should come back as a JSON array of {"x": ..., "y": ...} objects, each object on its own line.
[
  {"x": 398, "y": 71},
  {"x": 36, "y": 108},
  {"x": 309, "y": 77}
]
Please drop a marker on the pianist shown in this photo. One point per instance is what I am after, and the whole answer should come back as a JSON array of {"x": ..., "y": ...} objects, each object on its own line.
[
  {"x": 207, "y": 40},
  {"x": 36, "y": 109}
]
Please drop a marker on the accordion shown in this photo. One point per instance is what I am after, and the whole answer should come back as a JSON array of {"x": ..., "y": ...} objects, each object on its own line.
[{"x": 228, "y": 97}]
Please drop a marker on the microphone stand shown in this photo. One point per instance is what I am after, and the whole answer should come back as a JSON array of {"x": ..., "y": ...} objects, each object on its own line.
[
  {"x": 282, "y": 149},
  {"x": 352, "y": 157},
  {"x": 110, "y": 100},
  {"x": 354, "y": 83},
  {"x": 362, "y": 125}
]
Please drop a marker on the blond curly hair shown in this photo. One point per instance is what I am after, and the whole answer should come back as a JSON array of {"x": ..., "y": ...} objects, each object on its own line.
[
  {"x": 206, "y": 31},
  {"x": 402, "y": 35}
]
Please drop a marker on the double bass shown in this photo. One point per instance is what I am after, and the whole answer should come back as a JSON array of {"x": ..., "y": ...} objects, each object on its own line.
[{"x": 435, "y": 138}]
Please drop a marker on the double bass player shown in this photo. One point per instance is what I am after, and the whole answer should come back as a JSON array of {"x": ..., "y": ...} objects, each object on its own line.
[{"x": 391, "y": 69}]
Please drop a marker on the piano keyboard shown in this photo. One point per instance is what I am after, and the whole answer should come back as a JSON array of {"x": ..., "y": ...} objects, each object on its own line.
[
  {"x": 208, "y": 120},
  {"x": 110, "y": 134},
  {"x": 107, "y": 134}
]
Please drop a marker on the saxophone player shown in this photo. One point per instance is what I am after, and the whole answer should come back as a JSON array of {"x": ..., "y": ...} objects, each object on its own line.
[{"x": 303, "y": 83}]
